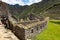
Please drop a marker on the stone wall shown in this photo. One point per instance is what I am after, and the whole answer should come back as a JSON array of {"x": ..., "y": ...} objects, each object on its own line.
[
  {"x": 33, "y": 31},
  {"x": 20, "y": 33},
  {"x": 24, "y": 34}
]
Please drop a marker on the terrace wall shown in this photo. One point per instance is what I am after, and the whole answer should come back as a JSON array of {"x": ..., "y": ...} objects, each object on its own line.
[
  {"x": 24, "y": 34},
  {"x": 33, "y": 31},
  {"x": 20, "y": 33}
]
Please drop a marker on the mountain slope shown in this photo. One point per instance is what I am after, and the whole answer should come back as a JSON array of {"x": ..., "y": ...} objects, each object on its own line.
[
  {"x": 16, "y": 9},
  {"x": 53, "y": 12},
  {"x": 36, "y": 8}
]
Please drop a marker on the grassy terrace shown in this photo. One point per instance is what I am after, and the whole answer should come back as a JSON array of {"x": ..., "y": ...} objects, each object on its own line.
[{"x": 52, "y": 32}]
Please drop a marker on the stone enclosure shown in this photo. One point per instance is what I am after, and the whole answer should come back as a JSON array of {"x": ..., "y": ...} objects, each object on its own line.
[
  {"x": 23, "y": 28},
  {"x": 26, "y": 30}
]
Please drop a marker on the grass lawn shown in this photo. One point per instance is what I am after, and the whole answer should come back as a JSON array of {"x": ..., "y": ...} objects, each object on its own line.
[{"x": 52, "y": 32}]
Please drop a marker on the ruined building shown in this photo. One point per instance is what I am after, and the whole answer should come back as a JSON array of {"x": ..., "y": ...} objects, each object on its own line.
[
  {"x": 24, "y": 28},
  {"x": 27, "y": 29}
]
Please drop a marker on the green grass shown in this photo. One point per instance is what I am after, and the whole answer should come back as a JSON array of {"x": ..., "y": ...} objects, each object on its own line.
[{"x": 52, "y": 32}]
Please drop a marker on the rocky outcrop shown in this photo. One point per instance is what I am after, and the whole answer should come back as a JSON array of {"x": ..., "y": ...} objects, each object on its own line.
[
  {"x": 3, "y": 9},
  {"x": 4, "y": 33}
]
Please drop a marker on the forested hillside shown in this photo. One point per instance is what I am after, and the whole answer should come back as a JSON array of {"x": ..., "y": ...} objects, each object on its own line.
[{"x": 37, "y": 8}]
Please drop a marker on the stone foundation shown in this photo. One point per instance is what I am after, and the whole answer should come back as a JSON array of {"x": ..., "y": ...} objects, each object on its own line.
[{"x": 24, "y": 34}]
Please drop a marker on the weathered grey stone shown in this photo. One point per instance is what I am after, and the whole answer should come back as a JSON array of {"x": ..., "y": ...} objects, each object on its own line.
[{"x": 23, "y": 30}]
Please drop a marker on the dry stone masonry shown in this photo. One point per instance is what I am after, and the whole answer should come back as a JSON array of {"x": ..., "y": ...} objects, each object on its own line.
[
  {"x": 24, "y": 28},
  {"x": 27, "y": 29}
]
